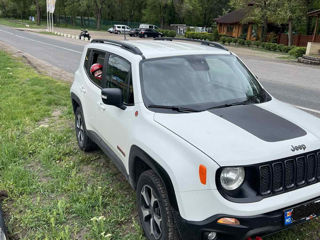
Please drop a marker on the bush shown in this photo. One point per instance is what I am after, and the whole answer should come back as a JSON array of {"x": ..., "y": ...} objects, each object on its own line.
[
  {"x": 168, "y": 33},
  {"x": 273, "y": 47},
  {"x": 248, "y": 43},
  {"x": 287, "y": 49},
  {"x": 241, "y": 41},
  {"x": 263, "y": 44},
  {"x": 235, "y": 40},
  {"x": 281, "y": 47},
  {"x": 215, "y": 35},
  {"x": 229, "y": 40},
  {"x": 223, "y": 40},
  {"x": 297, "y": 51},
  {"x": 257, "y": 43},
  {"x": 202, "y": 36}
]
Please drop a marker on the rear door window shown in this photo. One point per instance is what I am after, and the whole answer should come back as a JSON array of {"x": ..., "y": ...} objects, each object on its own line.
[{"x": 96, "y": 57}]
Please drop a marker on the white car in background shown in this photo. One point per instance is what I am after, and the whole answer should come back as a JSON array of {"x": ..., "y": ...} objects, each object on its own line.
[
  {"x": 121, "y": 29},
  {"x": 145, "y": 26},
  {"x": 110, "y": 30}
]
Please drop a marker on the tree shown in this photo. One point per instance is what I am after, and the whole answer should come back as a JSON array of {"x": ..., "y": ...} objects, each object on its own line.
[
  {"x": 99, "y": 4},
  {"x": 287, "y": 11}
]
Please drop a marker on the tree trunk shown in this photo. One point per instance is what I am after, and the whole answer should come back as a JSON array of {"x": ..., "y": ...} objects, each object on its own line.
[
  {"x": 265, "y": 29},
  {"x": 38, "y": 12},
  {"x": 98, "y": 17},
  {"x": 290, "y": 32}
]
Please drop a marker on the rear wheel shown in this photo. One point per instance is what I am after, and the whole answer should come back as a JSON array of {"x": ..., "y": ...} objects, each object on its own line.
[
  {"x": 155, "y": 211},
  {"x": 84, "y": 142}
]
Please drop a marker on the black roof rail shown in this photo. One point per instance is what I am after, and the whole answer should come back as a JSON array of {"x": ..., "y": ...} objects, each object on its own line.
[
  {"x": 203, "y": 42},
  {"x": 123, "y": 45}
]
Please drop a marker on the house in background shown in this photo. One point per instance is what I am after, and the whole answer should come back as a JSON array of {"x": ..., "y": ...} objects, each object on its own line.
[{"x": 235, "y": 24}]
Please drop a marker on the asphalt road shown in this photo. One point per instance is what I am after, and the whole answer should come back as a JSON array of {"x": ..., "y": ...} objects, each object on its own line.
[{"x": 293, "y": 83}]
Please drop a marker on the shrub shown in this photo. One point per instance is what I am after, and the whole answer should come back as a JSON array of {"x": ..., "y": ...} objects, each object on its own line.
[
  {"x": 257, "y": 43},
  {"x": 229, "y": 40},
  {"x": 223, "y": 40},
  {"x": 263, "y": 44},
  {"x": 297, "y": 51},
  {"x": 215, "y": 35},
  {"x": 235, "y": 40},
  {"x": 202, "y": 36},
  {"x": 268, "y": 46},
  {"x": 248, "y": 43},
  {"x": 241, "y": 41},
  {"x": 286, "y": 49},
  {"x": 273, "y": 47},
  {"x": 280, "y": 47},
  {"x": 168, "y": 33}
]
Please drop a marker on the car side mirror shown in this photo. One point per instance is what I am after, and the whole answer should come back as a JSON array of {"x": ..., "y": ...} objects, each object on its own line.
[{"x": 113, "y": 96}]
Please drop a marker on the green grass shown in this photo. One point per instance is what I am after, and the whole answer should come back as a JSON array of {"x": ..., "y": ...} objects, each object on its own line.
[
  {"x": 17, "y": 23},
  {"x": 55, "y": 190}
]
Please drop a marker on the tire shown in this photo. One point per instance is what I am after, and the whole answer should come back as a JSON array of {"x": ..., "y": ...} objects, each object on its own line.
[
  {"x": 3, "y": 229},
  {"x": 145, "y": 36},
  {"x": 84, "y": 142},
  {"x": 156, "y": 214}
]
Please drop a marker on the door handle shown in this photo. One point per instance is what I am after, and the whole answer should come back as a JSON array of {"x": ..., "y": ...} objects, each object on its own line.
[
  {"x": 101, "y": 106},
  {"x": 83, "y": 90}
]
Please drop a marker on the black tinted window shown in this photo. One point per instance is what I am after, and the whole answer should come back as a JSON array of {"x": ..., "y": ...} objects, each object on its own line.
[
  {"x": 97, "y": 57},
  {"x": 119, "y": 76},
  {"x": 86, "y": 60}
]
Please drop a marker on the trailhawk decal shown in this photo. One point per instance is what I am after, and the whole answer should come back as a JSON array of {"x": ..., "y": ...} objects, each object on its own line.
[{"x": 261, "y": 123}]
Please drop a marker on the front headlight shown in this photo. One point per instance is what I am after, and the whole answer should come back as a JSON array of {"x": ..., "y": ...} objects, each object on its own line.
[{"x": 232, "y": 177}]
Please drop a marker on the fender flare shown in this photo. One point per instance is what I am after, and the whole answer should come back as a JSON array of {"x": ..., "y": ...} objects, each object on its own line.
[
  {"x": 137, "y": 154},
  {"x": 75, "y": 99}
]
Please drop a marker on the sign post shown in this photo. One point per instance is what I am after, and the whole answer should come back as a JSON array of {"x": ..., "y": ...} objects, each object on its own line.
[{"x": 50, "y": 10}]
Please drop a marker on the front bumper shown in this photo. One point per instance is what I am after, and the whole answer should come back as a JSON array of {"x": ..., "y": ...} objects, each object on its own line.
[{"x": 259, "y": 225}]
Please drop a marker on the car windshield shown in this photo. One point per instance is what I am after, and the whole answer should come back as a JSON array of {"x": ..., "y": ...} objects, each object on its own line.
[{"x": 199, "y": 81}]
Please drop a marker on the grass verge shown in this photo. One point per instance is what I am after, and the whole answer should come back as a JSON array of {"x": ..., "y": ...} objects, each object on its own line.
[
  {"x": 55, "y": 190},
  {"x": 17, "y": 23}
]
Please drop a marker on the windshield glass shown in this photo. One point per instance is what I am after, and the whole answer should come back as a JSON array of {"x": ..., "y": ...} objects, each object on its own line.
[{"x": 202, "y": 81}]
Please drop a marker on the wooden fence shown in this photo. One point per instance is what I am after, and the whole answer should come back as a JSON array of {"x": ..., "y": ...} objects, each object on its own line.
[{"x": 298, "y": 40}]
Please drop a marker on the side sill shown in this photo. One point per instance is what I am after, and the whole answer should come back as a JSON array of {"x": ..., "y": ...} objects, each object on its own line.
[{"x": 107, "y": 150}]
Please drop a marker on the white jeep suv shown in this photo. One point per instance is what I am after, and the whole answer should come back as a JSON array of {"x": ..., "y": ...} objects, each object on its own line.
[{"x": 210, "y": 154}]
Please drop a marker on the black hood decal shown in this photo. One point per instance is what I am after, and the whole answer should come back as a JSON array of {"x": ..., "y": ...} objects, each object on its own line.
[{"x": 261, "y": 123}]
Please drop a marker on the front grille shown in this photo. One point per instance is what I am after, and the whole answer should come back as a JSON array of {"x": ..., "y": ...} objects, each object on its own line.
[{"x": 288, "y": 174}]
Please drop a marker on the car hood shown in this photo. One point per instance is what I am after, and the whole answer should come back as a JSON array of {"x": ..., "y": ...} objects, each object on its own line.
[{"x": 246, "y": 134}]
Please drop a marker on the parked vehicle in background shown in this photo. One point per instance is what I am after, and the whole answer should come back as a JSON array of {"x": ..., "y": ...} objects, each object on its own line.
[
  {"x": 121, "y": 28},
  {"x": 146, "y": 25},
  {"x": 134, "y": 32},
  {"x": 85, "y": 34},
  {"x": 145, "y": 33},
  {"x": 111, "y": 30}
]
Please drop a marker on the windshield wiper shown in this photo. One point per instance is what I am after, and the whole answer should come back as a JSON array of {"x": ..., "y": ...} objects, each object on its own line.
[
  {"x": 250, "y": 99},
  {"x": 175, "y": 108}
]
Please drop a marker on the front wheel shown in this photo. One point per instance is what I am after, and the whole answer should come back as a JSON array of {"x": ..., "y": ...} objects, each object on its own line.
[
  {"x": 145, "y": 36},
  {"x": 154, "y": 209}
]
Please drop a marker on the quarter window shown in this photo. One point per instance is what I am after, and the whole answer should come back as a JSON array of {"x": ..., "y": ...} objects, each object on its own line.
[{"x": 119, "y": 76}]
